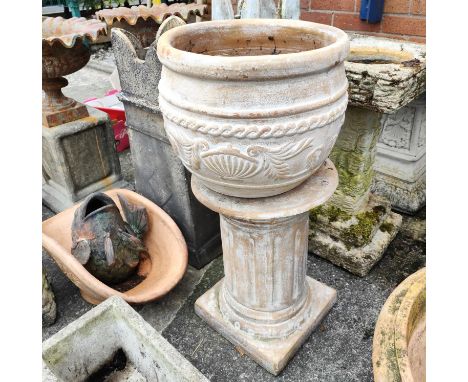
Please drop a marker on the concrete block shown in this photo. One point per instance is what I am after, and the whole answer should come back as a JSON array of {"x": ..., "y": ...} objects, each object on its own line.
[{"x": 113, "y": 340}]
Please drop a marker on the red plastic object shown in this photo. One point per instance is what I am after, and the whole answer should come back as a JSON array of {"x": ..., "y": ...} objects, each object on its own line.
[{"x": 118, "y": 119}]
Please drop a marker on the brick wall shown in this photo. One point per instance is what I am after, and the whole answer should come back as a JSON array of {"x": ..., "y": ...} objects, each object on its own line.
[{"x": 403, "y": 19}]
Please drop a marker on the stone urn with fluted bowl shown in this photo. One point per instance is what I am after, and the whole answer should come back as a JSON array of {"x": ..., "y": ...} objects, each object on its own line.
[
  {"x": 253, "y": 108},
  {"x": 143, "y": 22},
  {"x": 65, "y": 50}
]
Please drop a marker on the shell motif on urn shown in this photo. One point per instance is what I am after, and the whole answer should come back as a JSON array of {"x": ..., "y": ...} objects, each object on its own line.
[{"x": 253, "y": 107}]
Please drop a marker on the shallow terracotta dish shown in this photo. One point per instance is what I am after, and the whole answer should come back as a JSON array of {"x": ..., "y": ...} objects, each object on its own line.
[{"x": 162, "y": 271}]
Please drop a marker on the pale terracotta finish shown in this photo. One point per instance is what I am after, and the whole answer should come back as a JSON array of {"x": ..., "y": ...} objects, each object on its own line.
[
  {"x": 253, "y": 107},
  {"x": 266, "y": 304},
  {"x": 167, "y": 250},
  {"x": 399, "y": 349}
]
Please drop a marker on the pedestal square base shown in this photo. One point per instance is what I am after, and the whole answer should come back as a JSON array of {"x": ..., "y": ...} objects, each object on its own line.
[
  {"x": 272, "y": 354},
  {"x": 405, "y": 196},
  {"x": 52, "y": 119}
]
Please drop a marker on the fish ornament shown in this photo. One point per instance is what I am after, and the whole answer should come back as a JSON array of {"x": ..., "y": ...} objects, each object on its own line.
[{"x": 106, "y": 245}]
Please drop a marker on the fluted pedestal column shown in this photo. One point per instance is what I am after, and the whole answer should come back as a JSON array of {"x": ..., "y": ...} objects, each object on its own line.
[{"x": 266, "y": 304}]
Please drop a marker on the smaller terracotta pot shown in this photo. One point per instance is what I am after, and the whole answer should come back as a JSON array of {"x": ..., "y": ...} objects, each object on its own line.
[{"x": 165, "y": 267}]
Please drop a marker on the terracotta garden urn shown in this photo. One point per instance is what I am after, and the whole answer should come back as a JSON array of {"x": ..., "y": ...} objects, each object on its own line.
[
  {"x": 144, "y": 22},
  {"x": 253, "y": 107},
  {"x": 65, "y": 50}
]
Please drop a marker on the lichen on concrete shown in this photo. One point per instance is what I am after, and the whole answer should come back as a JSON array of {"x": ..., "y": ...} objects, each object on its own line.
[{"x": 49, "y": 308}]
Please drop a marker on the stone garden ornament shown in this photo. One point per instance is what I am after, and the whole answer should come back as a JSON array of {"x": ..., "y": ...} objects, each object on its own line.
[
  {"x": 160, "y": 175},
  {"x": 253, "y": 108},
  {"x": 162, "y": 263},
  {"x": 78, "y": 154},
  {"x": 355, "y": 227},
  {"x": 109, "y": 247}
]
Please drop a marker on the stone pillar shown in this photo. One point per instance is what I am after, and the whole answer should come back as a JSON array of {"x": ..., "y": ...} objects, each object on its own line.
[
  {"x": 355, "y": 227},
  {"x": 266, "y": 304},
  {"x": 160, "y": 176},
  {"x": 354, "y": 155},
  {"x": 400, "y": 164},
  {"x": 79, "y": 158}
]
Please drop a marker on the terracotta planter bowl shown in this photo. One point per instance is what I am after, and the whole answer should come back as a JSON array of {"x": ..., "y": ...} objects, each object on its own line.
[
  {"x": 165, "y": 243},
  {"x": 399, "y": 348},
  {"x": 253, "y": 107}
]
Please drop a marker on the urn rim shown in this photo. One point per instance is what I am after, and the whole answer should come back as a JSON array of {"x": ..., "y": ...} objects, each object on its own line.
[{"x": 250, "y": 67}]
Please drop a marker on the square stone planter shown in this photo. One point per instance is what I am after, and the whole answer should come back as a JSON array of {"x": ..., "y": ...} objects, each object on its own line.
[
  {"x": 159, "y": 173},
  {"x": 113, "y": 340},
  {"x": 78, "y": 158}
]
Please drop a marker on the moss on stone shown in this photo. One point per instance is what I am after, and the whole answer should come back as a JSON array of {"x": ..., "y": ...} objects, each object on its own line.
[
  {"x": 360, "y": 233},
  {"x": 387, "y": 227},
  {"x": 330, "y": 212}
]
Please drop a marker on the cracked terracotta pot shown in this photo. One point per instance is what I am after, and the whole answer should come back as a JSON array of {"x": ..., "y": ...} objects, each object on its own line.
[
  {"x": 161, "y": 271},
  {"x": 65, "y": 50},
  {"x": 253, "y": 107}
]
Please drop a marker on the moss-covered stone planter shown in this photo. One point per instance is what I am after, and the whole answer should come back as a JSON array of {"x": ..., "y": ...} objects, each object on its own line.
[
  {"x": 384, "y": 76},
  {"x": 399, "y": 349},
  {"x": 355, "y": 227}
]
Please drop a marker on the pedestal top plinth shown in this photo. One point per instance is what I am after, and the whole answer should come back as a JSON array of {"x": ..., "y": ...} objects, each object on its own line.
[{"x": 313, "y": 192}]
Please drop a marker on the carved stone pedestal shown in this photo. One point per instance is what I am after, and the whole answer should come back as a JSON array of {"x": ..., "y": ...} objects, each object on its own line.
[
  {"x": 159, "y": 174},
  {"x": 266, "y": 304},
  {"x": 354, "y": 228},
  {"x": 400, "y": 164},
  {"x": 78, "y": 158}
]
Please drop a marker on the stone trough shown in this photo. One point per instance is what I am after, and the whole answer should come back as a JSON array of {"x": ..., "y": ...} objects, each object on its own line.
[{"x": 113, "y": 343}]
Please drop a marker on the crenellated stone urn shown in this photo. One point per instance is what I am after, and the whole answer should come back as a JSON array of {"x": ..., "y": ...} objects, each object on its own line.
[
  {"x": 253, "y": 108},
  {"x": 144, "y": 22},
  {"x": 65, "y": 50}
]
